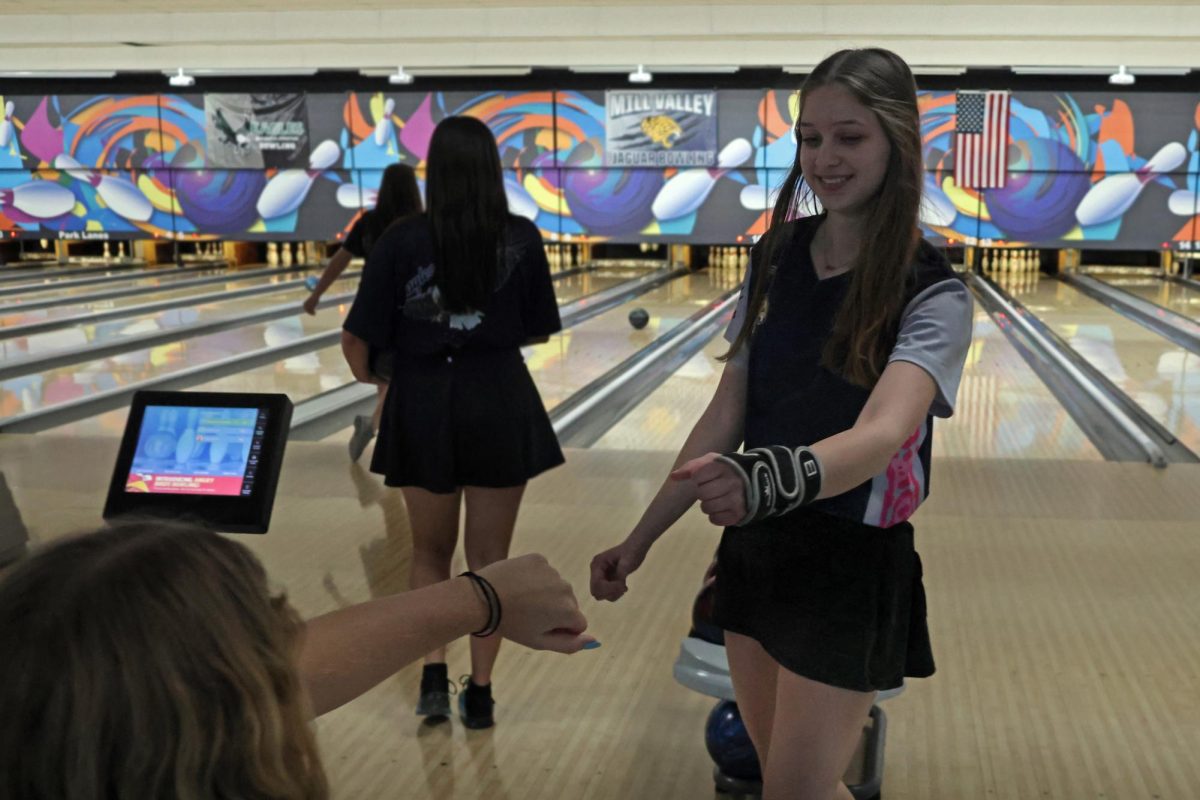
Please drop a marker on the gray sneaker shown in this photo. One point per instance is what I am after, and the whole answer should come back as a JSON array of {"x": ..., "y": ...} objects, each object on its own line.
[{"x": 363, "y": 434}]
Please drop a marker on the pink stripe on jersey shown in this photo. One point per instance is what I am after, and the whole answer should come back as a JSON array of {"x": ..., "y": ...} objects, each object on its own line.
[{"x": 903, "y": 492}]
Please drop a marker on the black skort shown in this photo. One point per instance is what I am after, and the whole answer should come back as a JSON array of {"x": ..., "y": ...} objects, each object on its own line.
[
  {"x": 830, "y": 599},
  {"x": 463, "y": 419}
]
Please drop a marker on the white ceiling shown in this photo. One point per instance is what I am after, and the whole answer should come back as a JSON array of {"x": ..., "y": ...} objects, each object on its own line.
[{"x": 72, "y": 35}]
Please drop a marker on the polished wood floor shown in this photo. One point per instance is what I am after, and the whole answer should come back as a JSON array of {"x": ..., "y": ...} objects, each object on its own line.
[{"x": 1064, "y": 602}]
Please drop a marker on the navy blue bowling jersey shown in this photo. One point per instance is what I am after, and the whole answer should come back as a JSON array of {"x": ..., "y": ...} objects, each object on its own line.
[
  {"x": 793, "y": 400},
  {"x": 398, "y": 305}
]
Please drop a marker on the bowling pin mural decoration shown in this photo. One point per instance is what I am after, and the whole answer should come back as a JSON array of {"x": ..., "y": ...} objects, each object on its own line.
[
  {"x": 288, "y": 188},
  {"x": 118, "y": 194},
  {"x": 351, "y": 195},
  {"x": 1113, "y": 195},
  {"x": 7, "y": 129},
  {"x": 520, "y": 202},
  {"x": 38, "y": 199},
  {"x": 384, "y": 126},
  {"x": 687, "y": 190}
]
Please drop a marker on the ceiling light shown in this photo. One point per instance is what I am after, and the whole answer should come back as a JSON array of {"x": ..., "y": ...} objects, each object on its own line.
[
  {"x": 661, "y": 69},
  {"x": 1121, "y": 77},
  {"x": 937, "y": 70},
  {"x": 640, "y": 76},
  {"x": 54, "y": 73},
  {"x": 400, "y": 77},
  {"x": 181, "y": 79}
]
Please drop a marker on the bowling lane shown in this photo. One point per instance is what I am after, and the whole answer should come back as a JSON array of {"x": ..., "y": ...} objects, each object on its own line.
[
  {"x": 1173, "y": 296},
  {"x": 1003, "y": 409},
  {"x": 11, "y": 316},
  {"x": 45, "y": 389},
  {"x": 62, "y": 289},
  {"x": 302, "y": 377},
  {"x": 112, "y": 330},
  {"x": 1162, "y": 377},
  {"x": 579, "y": 355}
]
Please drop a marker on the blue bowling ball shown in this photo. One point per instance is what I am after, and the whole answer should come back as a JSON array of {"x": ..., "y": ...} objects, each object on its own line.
[
  {"x": 310, "y": 282},
  {"x": 729, "y": 744}
]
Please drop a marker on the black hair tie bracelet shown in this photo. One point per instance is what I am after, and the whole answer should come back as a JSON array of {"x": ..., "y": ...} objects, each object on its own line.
[{"x": 493, "y": 602}]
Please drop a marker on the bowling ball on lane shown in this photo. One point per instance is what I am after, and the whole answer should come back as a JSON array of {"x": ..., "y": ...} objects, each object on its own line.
[
  {"x": 311, "y": 282},
  {"x": 638, "y": 318}
]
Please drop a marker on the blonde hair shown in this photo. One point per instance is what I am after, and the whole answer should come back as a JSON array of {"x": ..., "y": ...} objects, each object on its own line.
[{"x": 151, "y": 661}]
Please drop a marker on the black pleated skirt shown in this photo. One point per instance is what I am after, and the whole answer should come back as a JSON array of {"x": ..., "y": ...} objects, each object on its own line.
[
  {"x": 829, "y": 598},
  {"x": 466, "y": 419}
]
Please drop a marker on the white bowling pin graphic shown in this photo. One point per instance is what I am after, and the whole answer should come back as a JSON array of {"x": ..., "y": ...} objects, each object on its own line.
[
  {"x": 1182, "y": 202},
  {"x": 6, "y": 127},
  {"x": 216, "y": 450},
  {"x": 285, "y": 192},
  {"x": 349, "y": 196},
  {"x": 936, "y": 207},
  {"x": 383, "y": 128},
  {"x": 687, "y": 191},
  {"x": 186, "y": 444},
  {"x": 1113, "y": 196},
  {"x": 40, "y": 199},
  {"x": 519, "y": 201},
  {"x": 117, "y": 193}
]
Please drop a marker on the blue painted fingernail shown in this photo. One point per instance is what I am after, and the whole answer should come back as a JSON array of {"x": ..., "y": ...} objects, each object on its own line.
[{"x": 591, "y": 646}]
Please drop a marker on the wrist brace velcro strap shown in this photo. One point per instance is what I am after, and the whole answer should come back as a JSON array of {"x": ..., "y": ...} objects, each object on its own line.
[{"x": 776, "y": 479}]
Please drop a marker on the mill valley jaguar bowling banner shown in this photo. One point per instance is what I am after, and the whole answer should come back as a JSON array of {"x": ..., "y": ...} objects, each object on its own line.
[
  {"x": 253, "y": 131},
  {"x": 660, "y": 128}
]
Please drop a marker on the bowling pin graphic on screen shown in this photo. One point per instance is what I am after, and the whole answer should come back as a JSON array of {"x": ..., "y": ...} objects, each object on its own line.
[
  {"x": 8, "y": 130},
  {"x": 39, "y": 200},
  {"x": 185, "y": 446},
  {"x": 288, "y": 188},
  {"x": 118, "y": 194},
  {"x": 687, "y": 190},
  {"x": 384, "y": 127},
  {"x": 1113, "y": 195}
]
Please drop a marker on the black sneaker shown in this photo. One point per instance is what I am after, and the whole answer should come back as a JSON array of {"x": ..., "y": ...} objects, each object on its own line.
[
  {"x": 435, "y": 692},
  {"x": 475, "y": 704},
  {"x": 364, "y": 432}
]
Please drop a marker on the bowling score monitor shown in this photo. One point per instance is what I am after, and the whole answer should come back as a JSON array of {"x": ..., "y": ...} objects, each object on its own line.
[{"x": 205, "y": 457}]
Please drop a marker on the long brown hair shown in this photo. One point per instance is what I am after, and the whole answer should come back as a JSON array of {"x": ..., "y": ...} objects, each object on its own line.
[
  {"x": 864, "y": 330},
  {"x": 151, "y": 661}
]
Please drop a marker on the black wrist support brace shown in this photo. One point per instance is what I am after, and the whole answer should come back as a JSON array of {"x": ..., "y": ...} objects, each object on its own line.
[{"x": 776, "y": 479}]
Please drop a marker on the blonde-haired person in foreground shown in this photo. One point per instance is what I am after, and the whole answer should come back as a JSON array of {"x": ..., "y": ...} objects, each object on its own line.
[{"x": 152, "y": 661}]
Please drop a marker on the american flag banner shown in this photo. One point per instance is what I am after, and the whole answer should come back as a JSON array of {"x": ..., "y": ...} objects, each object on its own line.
[{"x": 981, "y": 139}]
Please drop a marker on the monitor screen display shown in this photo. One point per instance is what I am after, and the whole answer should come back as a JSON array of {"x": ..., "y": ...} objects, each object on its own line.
[{"x": 198, "y": 450}]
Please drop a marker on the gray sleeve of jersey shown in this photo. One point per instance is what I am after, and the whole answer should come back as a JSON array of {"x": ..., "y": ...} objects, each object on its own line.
[
  {"x": 739, "y": 318},
  {"x": 935, "y": 334}
]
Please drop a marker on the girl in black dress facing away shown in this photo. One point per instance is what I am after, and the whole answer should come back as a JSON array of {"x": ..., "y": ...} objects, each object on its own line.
[
  {"x": 399, "y": 197},
  {"x": 455, "y": 293},
  {"x": 850, "y": 337}
]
